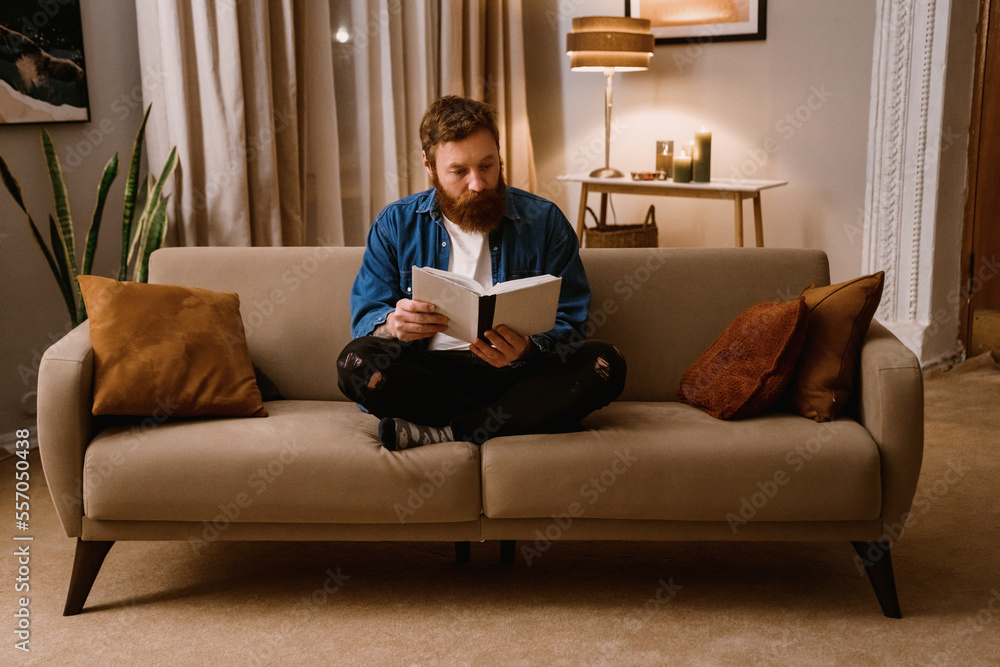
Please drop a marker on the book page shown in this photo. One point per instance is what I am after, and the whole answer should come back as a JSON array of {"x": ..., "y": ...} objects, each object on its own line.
[
  {"x": 530, "y": 307},
  {"x": 454, "y": 299},
  {"x": 520, "y": 283},
  {"x": 458, "y": 279}
]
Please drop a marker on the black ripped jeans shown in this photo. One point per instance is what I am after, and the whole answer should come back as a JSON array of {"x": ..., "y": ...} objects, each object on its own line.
[{"x": 548, "y": 393}]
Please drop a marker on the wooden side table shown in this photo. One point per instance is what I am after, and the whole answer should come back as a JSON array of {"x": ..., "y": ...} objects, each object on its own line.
[{"x": 731, "y": 189}]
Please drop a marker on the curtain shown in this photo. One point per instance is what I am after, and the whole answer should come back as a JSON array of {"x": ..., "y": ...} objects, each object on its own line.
[
  {"x": 288, "y": 137},
  {"x": 245, "y": 92},
  {"x": 391, "y": 60},
  {"x": 482, "y": 56}
]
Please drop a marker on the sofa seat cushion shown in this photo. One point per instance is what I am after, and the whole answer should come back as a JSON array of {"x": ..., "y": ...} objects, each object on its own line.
[
  {"x": 671, "y": 461},
  {"x": 308, "y": 462}
]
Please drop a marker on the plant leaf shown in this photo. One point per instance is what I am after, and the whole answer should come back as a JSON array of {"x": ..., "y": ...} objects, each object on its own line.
[
  {"x": 143, "y": 197},
  {"x": 168, "y": 169},
  {"x": 57, "y": 249},
  {"x": 45, "y": 251},
  {"x": 15, "y": 191},
  {"x": 154, "y": 198},
  {"x": 63, "y": 217},
  {"x": 13, "y": 187},
  {"x": 110, "y": 172},
  {"x": 141, "y": 226},
  {"x": 156, "y": 233},
  {"x": 131, "y": 192},
  {"x": 67, "y": 296},
  {"x": 59, "y": 269}
]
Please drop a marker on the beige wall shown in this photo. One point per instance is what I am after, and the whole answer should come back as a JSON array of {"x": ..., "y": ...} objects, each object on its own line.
[
  {"x": 793, "y": 107},
  {"x": 32, "y": 312}
]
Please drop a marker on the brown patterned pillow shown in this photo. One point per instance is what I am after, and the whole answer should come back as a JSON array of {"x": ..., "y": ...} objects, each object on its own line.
[
  {"x": 748, "y": 367},
  {"x": 839, "y": 316},
  {"x": 168, "y": 351}
]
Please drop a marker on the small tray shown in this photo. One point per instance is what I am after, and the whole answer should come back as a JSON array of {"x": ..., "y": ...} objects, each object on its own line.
[{"x": 649, "y": 175}]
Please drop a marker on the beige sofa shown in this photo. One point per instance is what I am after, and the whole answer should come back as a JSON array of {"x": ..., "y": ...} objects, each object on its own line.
[{"x": 645, "y": 468}]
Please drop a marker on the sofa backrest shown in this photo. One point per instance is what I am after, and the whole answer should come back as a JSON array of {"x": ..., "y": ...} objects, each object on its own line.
[
  {"x": 662, "y": 307},
  {"x": 295, "y": 304}
]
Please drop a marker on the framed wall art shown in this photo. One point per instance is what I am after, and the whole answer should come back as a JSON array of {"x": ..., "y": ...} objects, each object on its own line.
[
  {"x": 702, "y": 21},
  {"x": 42, "y": 74}
]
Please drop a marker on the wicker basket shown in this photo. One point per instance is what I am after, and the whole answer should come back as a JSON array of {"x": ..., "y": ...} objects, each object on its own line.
[{"x": 645, "y": 235}]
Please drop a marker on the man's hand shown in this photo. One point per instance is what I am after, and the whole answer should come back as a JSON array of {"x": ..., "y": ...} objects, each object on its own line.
[
  {"x": 413, "y": 320},
  {"x": 507, "y": 346}
]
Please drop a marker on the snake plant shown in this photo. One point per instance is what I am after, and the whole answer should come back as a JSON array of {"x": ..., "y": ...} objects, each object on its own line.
[{"x": 140, "y": 236}]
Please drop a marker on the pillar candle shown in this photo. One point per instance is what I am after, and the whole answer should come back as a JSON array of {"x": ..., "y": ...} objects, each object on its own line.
[
  {"x": 702, "y": 156},
  {"x": 682, "y": 168},
  {"x": 665, "y": 157}
]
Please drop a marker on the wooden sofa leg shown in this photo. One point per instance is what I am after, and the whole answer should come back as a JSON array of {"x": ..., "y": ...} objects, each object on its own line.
[
  {"x": 878, "y": 566},
  {"x": 507, "y": 551},
  {"x": 86, "y": 565},
  {"x": 463, "y": 552}
]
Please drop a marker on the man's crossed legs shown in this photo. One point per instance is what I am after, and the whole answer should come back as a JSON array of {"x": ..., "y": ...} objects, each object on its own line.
[{"x": 426, "y": 396}]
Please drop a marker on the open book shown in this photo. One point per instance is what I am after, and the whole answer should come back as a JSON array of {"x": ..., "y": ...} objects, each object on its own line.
[{"x": 526, "y": 305}]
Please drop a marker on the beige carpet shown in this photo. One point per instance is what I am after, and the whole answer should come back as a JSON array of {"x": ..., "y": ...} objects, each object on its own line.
[{"x": 591, "y": 603}]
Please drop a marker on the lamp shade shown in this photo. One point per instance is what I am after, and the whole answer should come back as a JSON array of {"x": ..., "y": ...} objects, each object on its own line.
[{"x": 598, "y": 43}]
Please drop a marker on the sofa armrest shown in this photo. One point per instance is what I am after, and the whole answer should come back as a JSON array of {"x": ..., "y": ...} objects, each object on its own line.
[
  {"x": 891, "y": 407},
  {"x": 65, "y": 421}
]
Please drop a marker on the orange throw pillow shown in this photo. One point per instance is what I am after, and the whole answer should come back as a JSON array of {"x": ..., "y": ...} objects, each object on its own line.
[
  {"x": 748, "y": 367},
  {"x": 168, "y": 351},
  {"x": 839, "y": 316}
]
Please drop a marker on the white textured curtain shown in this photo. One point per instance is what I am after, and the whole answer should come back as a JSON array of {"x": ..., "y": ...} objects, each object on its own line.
[
  {"x": 244, "y": 90},
  {"x": 392, "y": 58}
]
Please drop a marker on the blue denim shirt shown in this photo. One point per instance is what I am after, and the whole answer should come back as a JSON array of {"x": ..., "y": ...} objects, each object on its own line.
[{"x": 534, "y": 238}]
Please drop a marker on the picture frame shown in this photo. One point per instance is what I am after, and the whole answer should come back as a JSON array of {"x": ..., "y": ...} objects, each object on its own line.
[
  {"x": 702, "y": 21},
  {"x": 43, "y": 76}
]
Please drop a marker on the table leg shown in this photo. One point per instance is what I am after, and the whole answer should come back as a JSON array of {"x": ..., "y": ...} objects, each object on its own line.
[
  {"x": 604, "y": 209},
  {"x": 739, "y": 219},
  {"x": 582, "y": 217},
  {"x": 758, "y": 223}
]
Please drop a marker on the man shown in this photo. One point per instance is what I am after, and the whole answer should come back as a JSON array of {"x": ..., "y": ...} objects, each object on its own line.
[{"x": 427, "y": 387}]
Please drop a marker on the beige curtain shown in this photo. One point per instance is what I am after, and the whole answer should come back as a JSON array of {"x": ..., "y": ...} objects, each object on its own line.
[
  {"x": 289, "y": 137},
  {"x": 392, "y": 59},
  {"x": 244, "y": 90},
  {"x": 482, "y": 56}
]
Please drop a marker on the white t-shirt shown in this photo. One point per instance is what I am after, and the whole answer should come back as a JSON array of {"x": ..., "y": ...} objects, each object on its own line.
[{"x": 470, "y": 257}]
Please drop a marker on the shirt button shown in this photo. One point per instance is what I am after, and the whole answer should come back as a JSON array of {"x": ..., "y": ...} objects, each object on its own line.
[
  {"x": 408, "y": 290},
  {"x": 444, "y": 244},
  {"x": 495, "y": 248}
]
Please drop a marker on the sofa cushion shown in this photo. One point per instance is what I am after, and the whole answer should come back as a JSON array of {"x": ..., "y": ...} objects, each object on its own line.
[
  {"x": 168, "y": 351},
  {"x": 671, "y": 461},
  {"x": 839, "y": 316},
  {"x": 308, "y": 462},
  {"x": 748, "y": 367}
]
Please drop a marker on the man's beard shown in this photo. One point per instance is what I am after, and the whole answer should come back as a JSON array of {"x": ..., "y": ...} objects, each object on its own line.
[{"x": 474, "y": 212}]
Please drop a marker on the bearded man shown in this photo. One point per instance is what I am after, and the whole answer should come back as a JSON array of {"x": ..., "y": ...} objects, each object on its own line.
[{"x": 427, "y": 387}]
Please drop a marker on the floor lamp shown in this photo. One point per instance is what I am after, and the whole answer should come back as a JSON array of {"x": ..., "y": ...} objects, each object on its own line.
[{"x": 609, "y": 44}]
